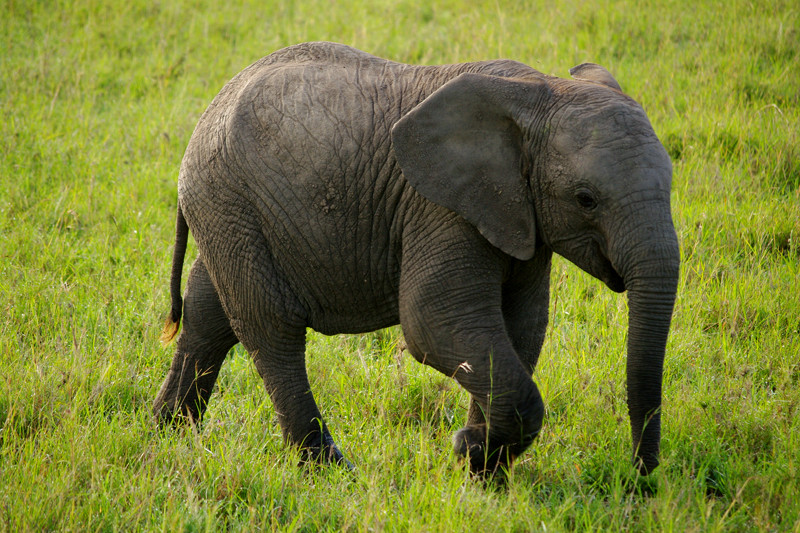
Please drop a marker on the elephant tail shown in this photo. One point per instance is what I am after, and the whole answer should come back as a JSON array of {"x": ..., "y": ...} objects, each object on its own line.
[{"x": 174, "y": 319}]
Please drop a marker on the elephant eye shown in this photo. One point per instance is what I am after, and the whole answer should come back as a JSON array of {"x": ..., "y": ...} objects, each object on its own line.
[{"x": 586, "y": 199}]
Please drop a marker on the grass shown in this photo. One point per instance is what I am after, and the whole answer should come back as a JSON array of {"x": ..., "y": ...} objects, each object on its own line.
[{"x": 97, "y": 102}]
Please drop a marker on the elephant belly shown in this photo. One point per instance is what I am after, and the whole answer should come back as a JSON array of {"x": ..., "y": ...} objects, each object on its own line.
[
  {"x": 304, "y": 267},
  {"x": 341, "y": 267}
]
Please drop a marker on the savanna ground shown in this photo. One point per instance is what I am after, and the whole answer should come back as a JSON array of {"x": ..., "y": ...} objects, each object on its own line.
[{"x": 98, "y": 100}]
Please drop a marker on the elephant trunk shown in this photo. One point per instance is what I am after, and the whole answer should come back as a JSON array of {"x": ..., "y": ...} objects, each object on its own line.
[{"x": 652, "y": 283}]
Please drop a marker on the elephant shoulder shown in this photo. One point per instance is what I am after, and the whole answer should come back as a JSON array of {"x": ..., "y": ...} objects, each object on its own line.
[{"x": 505, "y": 68}]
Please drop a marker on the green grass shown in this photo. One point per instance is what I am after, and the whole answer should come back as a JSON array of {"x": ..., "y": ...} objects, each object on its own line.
[{"x": 97, "y": 102}]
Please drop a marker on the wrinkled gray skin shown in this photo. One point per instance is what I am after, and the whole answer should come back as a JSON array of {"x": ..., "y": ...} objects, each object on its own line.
[{"x": 331, "y": 189}]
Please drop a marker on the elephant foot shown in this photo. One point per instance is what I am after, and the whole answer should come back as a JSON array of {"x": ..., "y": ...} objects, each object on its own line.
[
  {"x": 488, "y": 459},
  {"x": 175, "y": 418},
  {"x": 327, "y": 453},
  {"x": 325, "y": 456},
  {"x": 645, "y": 464}
]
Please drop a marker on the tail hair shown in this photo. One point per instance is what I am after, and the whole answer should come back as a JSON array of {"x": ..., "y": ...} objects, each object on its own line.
[
  {"x": 171, "y": 326},
  {"x": 173, "y": 322}
]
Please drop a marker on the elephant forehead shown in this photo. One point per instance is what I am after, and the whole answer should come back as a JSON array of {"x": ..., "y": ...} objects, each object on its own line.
[
  {"x": 609, "y": 138},
  {"x": 619, "y": 172},
  {"x": 618, "y": 123}
]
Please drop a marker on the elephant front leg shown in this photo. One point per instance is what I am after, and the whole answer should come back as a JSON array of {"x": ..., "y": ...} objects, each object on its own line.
[
  {"x": 507, "y": 411},
  {"x": 451, "y": 310},
  {"x": 502, "y": 423},
  {"x": 525, "y": 300}
]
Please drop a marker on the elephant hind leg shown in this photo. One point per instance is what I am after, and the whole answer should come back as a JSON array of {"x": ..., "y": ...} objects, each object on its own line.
[
  {"x": 203, "y": 343},
  {"x": 270, "y": 322},
  {"x": 279, "y": 356}
]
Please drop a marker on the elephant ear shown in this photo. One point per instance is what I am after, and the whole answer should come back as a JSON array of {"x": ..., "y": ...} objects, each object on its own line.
[
  {"x": 594, "y": 73},
  {"x": 462, "y": 149}
]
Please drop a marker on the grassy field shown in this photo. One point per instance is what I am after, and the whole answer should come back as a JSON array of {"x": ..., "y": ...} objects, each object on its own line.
[{"x": 97, "y": 102}]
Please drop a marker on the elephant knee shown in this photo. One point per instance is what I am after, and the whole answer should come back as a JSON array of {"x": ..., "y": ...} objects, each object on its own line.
[
  {"x": 530, "y": 416},
  {"x": 487, "y": 449}
]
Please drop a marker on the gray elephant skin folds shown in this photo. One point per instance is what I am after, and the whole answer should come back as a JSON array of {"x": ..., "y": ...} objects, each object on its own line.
[{"x": 331, "y": 189}]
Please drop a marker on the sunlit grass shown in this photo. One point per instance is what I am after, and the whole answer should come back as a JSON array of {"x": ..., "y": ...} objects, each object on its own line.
[{"x": 98, "y": 100}]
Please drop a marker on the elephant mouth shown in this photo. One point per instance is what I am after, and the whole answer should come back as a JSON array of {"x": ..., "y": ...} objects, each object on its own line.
[
  {"x": 611, "y": 277},
  {"x": 608, "y": 274},
  {"x": 596, "y": 262}
]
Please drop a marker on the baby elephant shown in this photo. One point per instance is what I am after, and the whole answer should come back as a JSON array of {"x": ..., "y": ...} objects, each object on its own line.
[{"x": 331, "y": 189}]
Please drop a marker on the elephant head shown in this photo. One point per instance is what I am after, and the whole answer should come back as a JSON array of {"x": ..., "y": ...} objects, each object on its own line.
[{"x": 570, "y": 165}]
